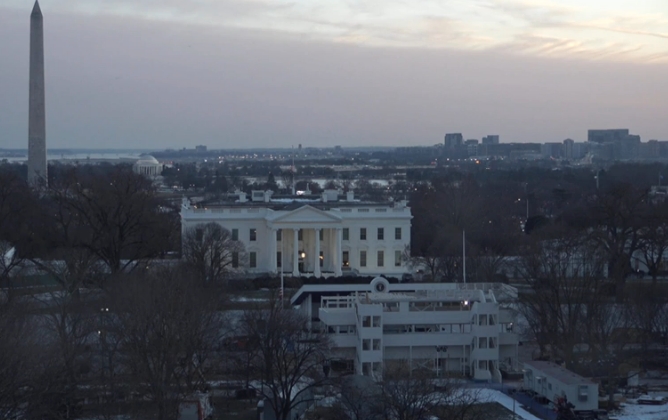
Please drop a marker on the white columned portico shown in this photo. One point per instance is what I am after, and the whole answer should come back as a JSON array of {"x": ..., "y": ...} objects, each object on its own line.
[
  {"x": 295, "y": 252},
  {"x": 316, "y": 254},
  {"x": 337, "y": 259},
  {"x": 273, "y": 266}
]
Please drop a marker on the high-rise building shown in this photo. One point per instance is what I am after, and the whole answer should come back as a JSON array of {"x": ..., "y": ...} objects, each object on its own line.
[
  {"x": 607, "y": 136},
  {"x": 37, "y": 174},
  {"x": 453, "y": 140},
  {"x": 491, "y": 139}
]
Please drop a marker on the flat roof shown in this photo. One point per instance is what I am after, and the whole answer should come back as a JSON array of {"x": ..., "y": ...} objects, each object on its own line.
[{"x": 558, "y": 372}]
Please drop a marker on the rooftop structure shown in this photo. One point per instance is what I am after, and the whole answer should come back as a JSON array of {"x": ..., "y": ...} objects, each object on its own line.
[
  {"x": 444, "y": 327},
  {"x": 553, "y": 382}
]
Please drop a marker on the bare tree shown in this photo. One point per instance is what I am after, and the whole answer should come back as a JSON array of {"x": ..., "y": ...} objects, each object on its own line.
[
  {"x": 18, "y": 353},
  {"x": 410, "y": 394},
  {"x": 116, "y": 215},
  {"x": 290, "y": 357},
  {"x": 565, "y": 276},
  {"x": 167, "y": 327},
  {"x": 212, "y": 253}
]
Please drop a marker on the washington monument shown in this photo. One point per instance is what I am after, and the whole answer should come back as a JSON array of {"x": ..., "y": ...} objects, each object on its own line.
[{"x": 37, "y": 114}]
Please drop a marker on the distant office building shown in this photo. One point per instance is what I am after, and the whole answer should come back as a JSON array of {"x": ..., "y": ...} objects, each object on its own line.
[
  {"x": 472, "y": 147},
  {"x": 453, "y": 140},
  {"x": 491, "y": 139},
  {"x": 552, "y": 150},
  {"x": 200, "y": 149},
  {"x": 607, "y": 136},
  {"x": 568, "y": 149}
]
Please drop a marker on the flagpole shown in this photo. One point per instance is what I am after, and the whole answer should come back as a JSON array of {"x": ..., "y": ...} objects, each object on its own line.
[
  {"x": 282, "y": 281},
  {"x": 464, "y": 253}
]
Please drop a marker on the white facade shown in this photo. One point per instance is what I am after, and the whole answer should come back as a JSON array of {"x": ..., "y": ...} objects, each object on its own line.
[
  {"x": 445, "y": 327},
  {"x": 553, "y": 382},
  {"x": 147, "y": 165},
  {"x": 314, "y": 236}
]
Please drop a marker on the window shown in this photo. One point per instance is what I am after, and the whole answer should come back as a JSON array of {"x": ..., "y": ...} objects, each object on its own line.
[
  {"x": 279, "y": 259},
  {"x": 235, "y": 259},
  {"x": 376, "y": 344},
  {"x": 300, "y": 235},
  {"x": 362, "y": 258},
  {"x": 253, "y": 234},
  {"x": 362, "y": 234},
  {"x": 321, "y": 234},
  {"x": 346, "y": 234},
  {"x": 397, "y": 258},
  {"x": 252, "y": 259},
  {"x": 381, "y": 234},
  {"x": 366, "y": 344},
  {"x": 346, "y": 258},
  {"x": 235, "y": 234},
  {"x": 397, "y": 233},
  {"x": 279, "y": 235},
  {"x": 376, "y": 321},
  {"x": 366, "y": 321},
  {"x": 322, "y": 258},
  {"x": 482, "y": 342},
  {"x": 381, "y": 258}
]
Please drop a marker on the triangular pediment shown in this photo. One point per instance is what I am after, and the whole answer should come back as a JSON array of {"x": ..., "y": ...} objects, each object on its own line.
[{"x": 304, "y": 214}]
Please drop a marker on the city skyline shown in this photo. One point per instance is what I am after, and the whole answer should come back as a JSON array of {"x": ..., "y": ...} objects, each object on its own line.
[{"x": 237, "y": 74}]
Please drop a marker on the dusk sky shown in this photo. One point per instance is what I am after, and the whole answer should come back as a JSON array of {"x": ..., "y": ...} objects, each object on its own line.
[{"x": 256, "y": 73}]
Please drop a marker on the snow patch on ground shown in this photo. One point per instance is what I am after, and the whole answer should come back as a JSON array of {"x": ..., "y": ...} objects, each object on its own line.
[
  {"x": 492, "y": 395},
  {"x": 641, "y": 412}
]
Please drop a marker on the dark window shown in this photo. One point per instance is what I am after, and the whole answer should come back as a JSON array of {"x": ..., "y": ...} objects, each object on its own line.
[
  {"x": 381, "y": 258},
  {"x": 279, "y": 235},
  {"x": 346, "y": 258},
  {"x": 346, "y": 234},
  {"x": 362, "y": 258},
  {"x": 381, "y": 234},
  {"x": 279, "y": 259},
  {"x": 235, "y": 234},
  {"x": 362, "y": 234},
  {"x": 300, "y": 235},
  {"x": 253, "y": 259},
  {"x": 321, "y": 234},
  {"x": 253, "y": 234},
  {"x": 397, "y": 258},
  {"x": 397, "y": 233},
  {"x": 235, "y": 259}
]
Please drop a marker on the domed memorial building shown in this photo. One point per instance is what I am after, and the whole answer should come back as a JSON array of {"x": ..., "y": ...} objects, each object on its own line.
[{"x": 147, "y": 165}]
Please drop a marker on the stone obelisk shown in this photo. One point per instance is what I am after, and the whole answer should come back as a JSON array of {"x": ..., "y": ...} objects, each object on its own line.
[{"x": 37, "y": 175}]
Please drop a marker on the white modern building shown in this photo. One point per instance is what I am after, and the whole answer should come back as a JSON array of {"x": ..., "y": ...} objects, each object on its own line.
[
  {"x": 326, "y": 235},
  {"x": 552, "y": 381},
  {"x": 446, "y": 327},
  {"x": 147, "y": 165}
]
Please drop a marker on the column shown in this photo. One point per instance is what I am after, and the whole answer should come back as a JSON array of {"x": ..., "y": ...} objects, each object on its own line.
[
  {"x": 273, "y": 266},
  {"x": 338, "y": 260},
  {"x": 316, "y": 256},
  {"x": 295, "y": 252}
]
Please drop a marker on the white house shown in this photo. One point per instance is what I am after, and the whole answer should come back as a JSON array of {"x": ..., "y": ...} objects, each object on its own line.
[
  {"x": 445, "y": 327},
  {"x": 312, "y": 235},
  {"x": 552, "y": 381}
]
